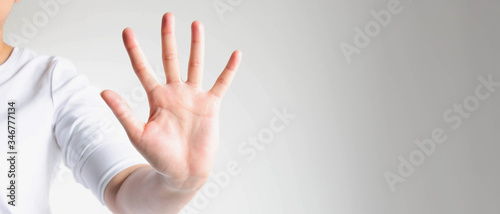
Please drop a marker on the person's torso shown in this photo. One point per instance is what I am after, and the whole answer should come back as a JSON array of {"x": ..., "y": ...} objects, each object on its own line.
[{"x": 29, "y": 155}]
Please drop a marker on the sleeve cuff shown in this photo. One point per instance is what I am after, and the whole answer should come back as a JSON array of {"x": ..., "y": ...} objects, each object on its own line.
[{"x": 105, "y": 162}]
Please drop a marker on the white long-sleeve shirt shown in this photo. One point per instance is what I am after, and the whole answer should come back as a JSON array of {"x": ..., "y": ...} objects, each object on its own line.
[{"x": 57, "y": 116}]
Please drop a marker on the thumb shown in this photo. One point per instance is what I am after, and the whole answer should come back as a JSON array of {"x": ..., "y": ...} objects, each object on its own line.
[{"x": 133, "y": 126}]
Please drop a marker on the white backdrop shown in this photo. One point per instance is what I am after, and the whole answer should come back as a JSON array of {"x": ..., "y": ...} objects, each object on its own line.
[{"x": 353, "y": 85}]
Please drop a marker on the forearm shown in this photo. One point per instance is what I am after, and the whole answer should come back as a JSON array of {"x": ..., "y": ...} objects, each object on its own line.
[{"x": 146, "y": 191}]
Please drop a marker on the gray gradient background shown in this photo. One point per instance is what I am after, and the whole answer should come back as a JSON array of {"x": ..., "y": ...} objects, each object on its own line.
[{"x": 353, "y": 120}]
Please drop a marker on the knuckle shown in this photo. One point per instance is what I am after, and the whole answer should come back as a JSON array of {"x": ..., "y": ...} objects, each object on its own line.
[
  {"x": 131, "y": 47},
  {"x": 197, "y": 41},
  {"x": 171, "y": 56},
  {"x": 196, "y": 64},
  {"x": 167, "y": 32},
  {"x": 223, "y": 82},
  {"x": 141, "y": 68},
  {"x": 122, "y": 110}
]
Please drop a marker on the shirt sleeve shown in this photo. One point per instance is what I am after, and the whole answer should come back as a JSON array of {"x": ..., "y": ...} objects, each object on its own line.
[{"x": 93, "y": 143}]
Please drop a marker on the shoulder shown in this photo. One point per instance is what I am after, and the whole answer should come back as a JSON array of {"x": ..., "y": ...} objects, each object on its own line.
[
  {"x": 40, "y": 68},
  {"x": 55, "y": 69},
  {"x": 31, "y": 59},
  {"x": 58, "y": 73}
]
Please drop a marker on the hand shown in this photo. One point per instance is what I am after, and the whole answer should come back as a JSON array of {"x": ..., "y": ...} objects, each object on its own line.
[{"x": 181, "y": 136}]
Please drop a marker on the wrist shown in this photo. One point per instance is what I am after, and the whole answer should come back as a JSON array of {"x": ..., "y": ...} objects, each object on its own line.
[{"x": 183, "y": 185}]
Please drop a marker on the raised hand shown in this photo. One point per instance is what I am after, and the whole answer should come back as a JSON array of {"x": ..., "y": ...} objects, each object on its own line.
[{"x": 181, "y": 136}]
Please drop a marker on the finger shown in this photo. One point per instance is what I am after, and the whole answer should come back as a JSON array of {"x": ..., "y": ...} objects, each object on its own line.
[
  {"x": 196, "y": 59},
  {"x": 133, "y": 126},
  {"x": 224, "y": 81},
  {"x": 169, "y": 48},
  {"x": 138, "y": 59}
]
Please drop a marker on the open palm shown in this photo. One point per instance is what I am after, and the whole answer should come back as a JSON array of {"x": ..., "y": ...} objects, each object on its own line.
[{"x": 181, "y": 137}]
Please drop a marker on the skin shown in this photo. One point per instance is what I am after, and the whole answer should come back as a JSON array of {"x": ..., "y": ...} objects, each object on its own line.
[
  {"x": 180, "y": 138},
  {"x": 5, "y": 50}
]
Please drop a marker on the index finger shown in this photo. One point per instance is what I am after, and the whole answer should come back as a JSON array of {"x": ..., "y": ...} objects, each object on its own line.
[
  {"x": 226, "y": 77},
  {"x": 138, "y": 59}
]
